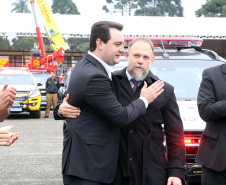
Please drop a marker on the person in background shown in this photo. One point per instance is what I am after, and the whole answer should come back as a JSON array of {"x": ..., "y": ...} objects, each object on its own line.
[
  {"x": 7, "y": 96},
  {"x": 52, "y": 87},
  {"x": 212, "y": 109}
]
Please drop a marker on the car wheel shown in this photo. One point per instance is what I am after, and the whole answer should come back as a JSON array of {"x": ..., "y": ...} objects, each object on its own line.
[{"x": 36, "y": 114}]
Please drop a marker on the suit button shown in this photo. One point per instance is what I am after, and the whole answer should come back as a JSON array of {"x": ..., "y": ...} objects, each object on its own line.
[
  {"x": 130, "y": 158},
  {"x": 131, "y": 131}
]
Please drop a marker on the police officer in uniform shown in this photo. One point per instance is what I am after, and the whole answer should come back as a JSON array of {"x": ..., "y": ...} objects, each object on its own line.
[{"x": 52, "y": 87}]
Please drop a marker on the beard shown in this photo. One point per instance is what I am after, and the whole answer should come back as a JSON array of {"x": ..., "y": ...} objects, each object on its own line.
[{"x": 138, "y": 76}]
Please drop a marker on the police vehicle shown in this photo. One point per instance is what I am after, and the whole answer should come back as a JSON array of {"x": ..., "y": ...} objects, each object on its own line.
[
  {"x": 28, "y": 97},
  {"x": 41, "y": 77},
  {"x": 180, "y": 62}
]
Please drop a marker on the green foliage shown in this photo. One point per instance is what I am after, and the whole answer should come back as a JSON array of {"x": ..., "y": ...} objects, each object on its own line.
[
  {"x": 224, "y": 10},
  {"x": 24, "y": 43},
  {"x": 78, "y": 44},
  {"x": 83, "y": 47},
  {"x": 20, "y": 6},
  {"x": 212, "y": 8},
  {"x": 64, "y": 7},
  {"x": 155, "y": 11},
  {"x": 4, "y": 43},
  {"x": 160, "y": 8},
  {"x": 124, "y": 6}
]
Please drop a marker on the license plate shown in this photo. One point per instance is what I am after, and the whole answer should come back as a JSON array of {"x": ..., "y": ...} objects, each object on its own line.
[
  {"x": 15, "y": 109},
  {"x": 16, "y": 104}
]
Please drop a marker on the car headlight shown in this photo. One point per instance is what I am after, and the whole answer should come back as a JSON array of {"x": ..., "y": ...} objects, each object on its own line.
[{"x": 34, "y": 93}]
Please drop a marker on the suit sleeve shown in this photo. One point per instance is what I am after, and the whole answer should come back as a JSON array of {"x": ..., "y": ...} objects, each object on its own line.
[
  {"x": 99, "y": 95},
  {"x": 174, "y": 137},
  {"x": 56, "y": 114},
  {"x": 209, "y": 108}
]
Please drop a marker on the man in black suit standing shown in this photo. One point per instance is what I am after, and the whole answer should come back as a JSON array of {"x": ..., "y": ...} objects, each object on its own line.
[
  {"x": 212, "y": 109},
  {"x": 91, "y": 141},
  {"x": 142, "y": 159}
]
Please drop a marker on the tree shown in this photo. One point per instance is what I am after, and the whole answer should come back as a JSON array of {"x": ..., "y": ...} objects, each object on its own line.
[
  {"x": 160, "y": 8},
  {"x": 212, "y": 8},
  {"x": 224, "y": 10},
  {"x": 4, "y": 43},
  {"x": 78, "y": 44},
  {"x": 124, "y": 6},
  {"x": 20, "y": 7},
  {"x": 64, "y": 7},
  {"x": 25, "y": 43}
]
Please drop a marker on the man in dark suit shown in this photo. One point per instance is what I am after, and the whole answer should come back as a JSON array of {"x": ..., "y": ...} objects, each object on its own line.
[
  {"x": 91, "y": 141},
  {"x": 142, "y": 158},
  {"x": 212, "y": 109}
]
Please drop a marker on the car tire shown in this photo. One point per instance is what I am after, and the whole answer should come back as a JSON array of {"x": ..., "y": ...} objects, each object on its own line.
[{"x": 36, "y": 114}]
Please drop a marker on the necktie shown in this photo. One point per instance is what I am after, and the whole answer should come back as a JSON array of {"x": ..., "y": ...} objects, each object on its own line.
[{"x": 135, "y": 84}]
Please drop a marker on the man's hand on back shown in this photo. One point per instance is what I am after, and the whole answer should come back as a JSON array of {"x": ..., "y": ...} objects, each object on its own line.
[{"x": 67, "y": 110}]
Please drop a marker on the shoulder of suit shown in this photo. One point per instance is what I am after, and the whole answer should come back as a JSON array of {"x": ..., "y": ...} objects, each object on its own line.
[
  {"x": 151, "y": 75},
  {"x": 119, "y": 73},
  {"x": 215, "y": 68}
]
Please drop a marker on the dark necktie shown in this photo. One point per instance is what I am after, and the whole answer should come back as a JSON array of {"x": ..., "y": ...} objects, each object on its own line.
[{"x": 135, "y": 84}]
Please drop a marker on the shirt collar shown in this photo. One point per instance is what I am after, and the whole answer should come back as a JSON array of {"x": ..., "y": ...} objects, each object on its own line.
[
  {"x": 106, "y": 66},
  {"x": 128, "y": 75}
]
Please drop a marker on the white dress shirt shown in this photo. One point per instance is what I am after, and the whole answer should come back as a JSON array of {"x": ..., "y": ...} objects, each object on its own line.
[{"x": 106, "y": 66}]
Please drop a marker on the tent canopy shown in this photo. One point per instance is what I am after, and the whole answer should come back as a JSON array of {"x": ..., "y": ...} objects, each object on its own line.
[{"x": 21, "y": 24}]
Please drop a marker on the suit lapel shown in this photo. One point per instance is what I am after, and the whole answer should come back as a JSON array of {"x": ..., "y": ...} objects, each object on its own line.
[
  {"x": 123, "y": 80},
  {"x": 95, "y": 62},
  {"x": 114, "y": 81},
  {"x": 116, "y": 87}
]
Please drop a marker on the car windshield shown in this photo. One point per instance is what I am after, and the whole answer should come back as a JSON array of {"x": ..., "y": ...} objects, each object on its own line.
[
  {"x": 18, "y": 79},
  {"x": 40, "y": 77},
  {"x": 184, "y": 75}
]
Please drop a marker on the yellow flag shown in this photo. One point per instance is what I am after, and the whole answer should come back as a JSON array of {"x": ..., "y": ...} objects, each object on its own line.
[{"x": 56, "y": 37}]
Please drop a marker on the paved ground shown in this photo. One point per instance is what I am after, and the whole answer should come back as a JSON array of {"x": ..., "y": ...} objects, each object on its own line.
[{"x": 35, "y": 158}]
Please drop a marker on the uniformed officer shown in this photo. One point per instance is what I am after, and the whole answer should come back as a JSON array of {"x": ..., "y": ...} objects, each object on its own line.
[{"x": 52, "y": 87}]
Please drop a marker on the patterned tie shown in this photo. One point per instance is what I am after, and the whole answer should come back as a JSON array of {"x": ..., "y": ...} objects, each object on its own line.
[{"x": 135, "y": 84}]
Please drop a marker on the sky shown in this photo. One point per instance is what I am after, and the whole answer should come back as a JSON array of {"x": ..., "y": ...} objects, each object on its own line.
[{"x": 94, "y": 7}]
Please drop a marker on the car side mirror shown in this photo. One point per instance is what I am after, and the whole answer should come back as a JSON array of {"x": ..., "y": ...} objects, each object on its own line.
[
  {"x": 62, "y": 84},
  {"x": 39, "y": 83}
]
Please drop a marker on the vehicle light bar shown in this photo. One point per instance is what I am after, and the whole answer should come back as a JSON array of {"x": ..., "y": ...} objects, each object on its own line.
[
  {"x": 191, "y": 141},
  {"x": 170, "y": 41},
  {"x": 14, "y": 68}
]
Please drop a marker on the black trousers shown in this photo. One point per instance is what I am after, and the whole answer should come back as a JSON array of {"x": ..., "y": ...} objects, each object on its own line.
[
  {"x": 211, "y": 177},
  {"x": 73, "y": 180}
]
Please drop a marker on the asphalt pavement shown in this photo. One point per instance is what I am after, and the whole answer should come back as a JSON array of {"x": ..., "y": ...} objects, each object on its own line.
[{"x": 35, "y": 158}]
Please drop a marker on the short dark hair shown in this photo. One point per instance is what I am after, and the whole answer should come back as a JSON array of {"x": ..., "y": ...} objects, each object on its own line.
[
  {"x": 101, "y": 30},
  {"x": 53, "y": 72}
]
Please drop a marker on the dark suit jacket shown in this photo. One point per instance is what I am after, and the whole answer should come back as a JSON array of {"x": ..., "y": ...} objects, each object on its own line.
[
  {"x": 212, "y": 109},
  {"x": 142, "y": 157},
  {"x": 91, "y": 141}
]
